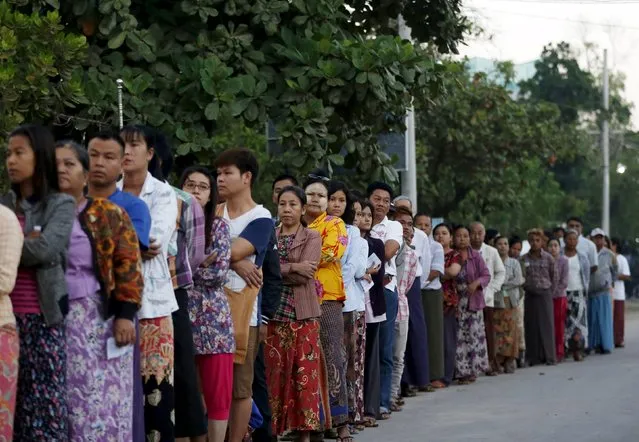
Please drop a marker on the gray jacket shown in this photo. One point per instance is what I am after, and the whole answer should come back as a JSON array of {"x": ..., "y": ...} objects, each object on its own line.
[
  {"x": 47, "y": 253},
  {"x": 512, "y": 285}
]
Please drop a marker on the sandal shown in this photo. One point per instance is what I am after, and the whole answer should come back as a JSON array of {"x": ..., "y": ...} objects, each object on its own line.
[
  {"x": 426, "y": 389},
  {"x": 345, "y": 439},
  {"x": 370, "y": 422},
  {"x": 400, "y": 401},
  {"x": 395, "y": 407},
  {"x": 384, "y": 416},
  {"x": 360, "y": 427},
  {"x": 437, "y": 384},
  {"x": 463, "y": 382}
]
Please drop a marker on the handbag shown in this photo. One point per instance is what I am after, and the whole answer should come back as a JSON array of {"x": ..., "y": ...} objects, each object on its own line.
[{"x": 241, "y": 305}]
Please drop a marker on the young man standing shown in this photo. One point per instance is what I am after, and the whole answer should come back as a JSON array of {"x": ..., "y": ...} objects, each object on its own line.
[
  {"x": 391, "y": 234},
  {"x": 106, "y": 153},
  {"x": 251, "y": 228},
  {"x": 497, "y": 277}
]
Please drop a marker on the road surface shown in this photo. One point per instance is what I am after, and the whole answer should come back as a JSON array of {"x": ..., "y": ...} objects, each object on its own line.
[{"x": 592, "y": 401}]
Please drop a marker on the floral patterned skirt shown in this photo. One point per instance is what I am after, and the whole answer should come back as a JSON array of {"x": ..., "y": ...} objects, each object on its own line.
[
  {"x": 9, "y": 350},
  {"x": 472, "y": 355},
  {"x": 355, "y": 378},
  {"x": 156, "y": 364},
  {"x": 100, "y": 398},
  {"x": 332, "y": 338},
  {"x": 41, "y": 406},
  {"x": 506, "y": 331},
  {"x": 292, "y": 359}
]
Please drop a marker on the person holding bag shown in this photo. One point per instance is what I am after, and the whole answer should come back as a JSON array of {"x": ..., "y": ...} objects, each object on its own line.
[
  {"x": 472, "y": 353},
  {"x": 251, "y": 227}
]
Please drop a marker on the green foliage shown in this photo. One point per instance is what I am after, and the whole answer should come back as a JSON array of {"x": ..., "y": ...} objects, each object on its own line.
[
  {"x": 439, "y": 23},
  {"x": 40, "y": 67},
  {"x": 482, "y": 154},
  {"x": 196, "y": 68}
]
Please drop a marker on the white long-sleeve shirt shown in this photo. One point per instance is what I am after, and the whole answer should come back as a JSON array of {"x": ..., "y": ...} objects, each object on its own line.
[{"x": 497, "y": 272}]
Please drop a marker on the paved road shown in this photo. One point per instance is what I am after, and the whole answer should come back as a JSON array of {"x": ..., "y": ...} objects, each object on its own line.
[{"x": 593, "y": 401}]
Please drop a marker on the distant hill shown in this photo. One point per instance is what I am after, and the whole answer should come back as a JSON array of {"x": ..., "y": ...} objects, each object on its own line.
[{"x": 523, "y": 71}]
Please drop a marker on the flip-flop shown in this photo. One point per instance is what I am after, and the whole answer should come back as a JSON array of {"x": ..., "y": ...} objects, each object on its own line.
[{"x": 370, "y": 422}]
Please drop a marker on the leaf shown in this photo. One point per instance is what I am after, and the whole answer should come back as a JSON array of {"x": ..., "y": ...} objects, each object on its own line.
[
  {"x": 116, "y": 41},
  {"x": 212, "y": 111},
  {"x": 361, "y": 78},
  {"x": 336, "y": 159}
]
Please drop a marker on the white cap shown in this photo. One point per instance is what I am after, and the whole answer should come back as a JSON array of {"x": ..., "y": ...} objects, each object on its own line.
[{"x": 596, "y": 232}]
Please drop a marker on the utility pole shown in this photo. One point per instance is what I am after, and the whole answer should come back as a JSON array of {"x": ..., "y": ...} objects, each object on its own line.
[
  {"x": 409, "y": 178},
  {"x": 605, "y": 149}
]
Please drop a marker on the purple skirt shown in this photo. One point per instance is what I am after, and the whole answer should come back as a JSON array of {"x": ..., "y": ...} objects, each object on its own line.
[{"x": 99, "y": 391}]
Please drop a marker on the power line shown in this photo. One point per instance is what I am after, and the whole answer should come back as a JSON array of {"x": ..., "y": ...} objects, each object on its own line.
[{"x": 546, "y": 17}]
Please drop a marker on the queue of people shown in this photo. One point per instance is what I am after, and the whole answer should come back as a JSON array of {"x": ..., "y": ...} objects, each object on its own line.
[{"x": 133, "y": 310}]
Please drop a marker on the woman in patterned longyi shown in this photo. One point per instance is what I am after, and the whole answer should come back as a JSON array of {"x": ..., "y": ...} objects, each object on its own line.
[{"x": 104, "y": 278}]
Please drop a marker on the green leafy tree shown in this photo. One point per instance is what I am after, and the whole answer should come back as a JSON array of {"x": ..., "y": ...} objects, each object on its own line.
[
  {"x": 482, "y": 154},
  {"x": 194, "y": 68},
  {"x": 40, "y": 67}
]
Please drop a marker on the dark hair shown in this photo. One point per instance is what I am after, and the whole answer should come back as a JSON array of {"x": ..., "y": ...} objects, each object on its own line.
[
  {"x": 498, "y": 237},
  {"x": 317, "y": 176},
  {"x": 79, "y": 151},
  {"x": 282, "y": 177},
  {"x": 209, "y": 209},
  {"x": 491, "y": 234},
  {"x": 555, "y": 240},
  {"x": 295, "y": 190},
  {"x": 378, "y": 185},
  {"x": 608, "y": 243},
  {"x": 366, "y": 203},
  {"x": 514, "y": 240},
  {"x": 151, "y": 137},
  {"x": 108, "y": 136},
  {"x": 457, "y": 227},
  {"x": 571, "y": 232},
  {"x": 617, "y": 242},
  {"x": 444, "y": 226},
  {"x": 558, "y": 229},
  {"x": 45, "y": 171},
  {"x": 242, "y": 158},
  {"x": 575, "y": 218},
  {"x": 423, "y": 214},
  {"x": 165, "y": 153},
  {"x": 349, "y": 214}
]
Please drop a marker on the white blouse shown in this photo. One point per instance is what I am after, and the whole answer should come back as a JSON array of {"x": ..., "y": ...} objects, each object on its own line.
[{"x": 158, "y": 298}]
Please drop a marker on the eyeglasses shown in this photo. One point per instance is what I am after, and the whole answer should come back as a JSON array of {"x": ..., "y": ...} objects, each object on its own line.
[
  {"x": 318, "y": 177},
  {"x": 190, "y": 185}
]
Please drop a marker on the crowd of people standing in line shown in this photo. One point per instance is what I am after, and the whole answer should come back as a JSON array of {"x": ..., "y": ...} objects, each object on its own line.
[{"x": 133, "y": 310}]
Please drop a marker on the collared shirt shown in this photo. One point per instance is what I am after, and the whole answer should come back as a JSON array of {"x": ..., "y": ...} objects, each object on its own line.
[
  {"x": 541, "y": 273},
  {"x": 406, "y": 273},
  {"x": 588, "y": 248},
  {"x": 623, "y": 269},
  {"x": 497, "y": 272},
  {"x": 190, "y": 240},
  {"x": 158, "y": 298},
  {"x": 436, "y": 264},
  {"x": 11, "y": 239},
  {"x": 421, "y": 245},
  {"x": 389, "y": 230},
  {"x": 353, "y": 269}
]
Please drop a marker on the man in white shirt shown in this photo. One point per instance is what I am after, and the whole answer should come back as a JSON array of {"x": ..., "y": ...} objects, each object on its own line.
[
  {"x": 428, "y": 316},
  {"x": 391, "y": 234},
  {"x": 584, "y": 245},
  {"x": 497, "y": 278},
  {"x": 619, "y": 293},
  {"x": 251, "y": 227}
]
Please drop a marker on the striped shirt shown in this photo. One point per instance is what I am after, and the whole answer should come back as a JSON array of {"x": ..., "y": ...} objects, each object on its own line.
[{"x": 25, "y": 293}]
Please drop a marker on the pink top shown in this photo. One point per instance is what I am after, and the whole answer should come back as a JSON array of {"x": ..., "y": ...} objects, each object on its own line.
[{"x": 25, "y": 293}]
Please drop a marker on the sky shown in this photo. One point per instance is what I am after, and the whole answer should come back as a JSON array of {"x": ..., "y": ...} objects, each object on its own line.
[{"x": 517, "y": 30}]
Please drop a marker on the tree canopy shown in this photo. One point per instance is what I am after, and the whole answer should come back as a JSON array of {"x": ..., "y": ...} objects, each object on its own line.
[{"x": 484, "y": 155}]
